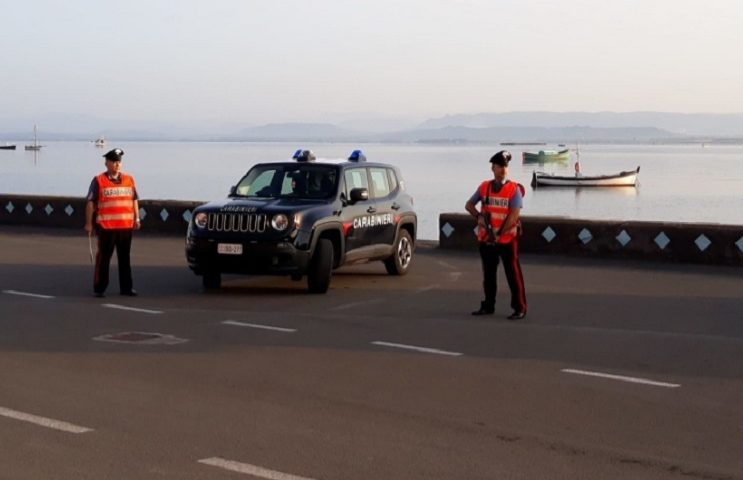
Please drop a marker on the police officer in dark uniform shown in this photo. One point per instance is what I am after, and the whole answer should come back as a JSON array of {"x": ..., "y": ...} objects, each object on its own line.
[
  {"x": 114, "y": 203},
  {"x": 498, "y": 230}
]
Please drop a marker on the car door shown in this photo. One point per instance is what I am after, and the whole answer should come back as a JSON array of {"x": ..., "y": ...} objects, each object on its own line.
[
  {"x": 355, "y": 216},
  {"x": 383, "y": 230}
]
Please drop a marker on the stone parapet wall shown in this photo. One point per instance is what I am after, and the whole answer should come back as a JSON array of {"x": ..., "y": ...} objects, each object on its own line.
[
  {"x": 669, "y": 241},
  {"x": 161, "y": 216},
  {"x": 680, "y": 242}
]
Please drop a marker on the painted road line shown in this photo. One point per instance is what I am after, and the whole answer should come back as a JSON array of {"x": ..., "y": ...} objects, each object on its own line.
[
  {"x": 257, "y": 325},
  {"x": 249, "y": 469},
  {"x": 622, "y": 378},
  {"x": 346, "y": 306},
  {"x": 417, "y": 349},
  {"x": 131, "y": 309},
  {"x": 446, "y": 264},
  {"x": 429, "y": 287},
  {"x": 27, "y": 294},
  {"x": 44, "y": 422}
]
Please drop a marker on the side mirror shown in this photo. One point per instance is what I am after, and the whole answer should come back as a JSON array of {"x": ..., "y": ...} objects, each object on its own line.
[
  {"x": 359, "y": 195},
  {"x": 233, "y": 189}
]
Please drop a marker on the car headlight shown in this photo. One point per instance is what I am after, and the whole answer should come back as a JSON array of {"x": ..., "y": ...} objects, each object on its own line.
[
  {"x": 200, "y": 220},
  {"x": 280, "y": 222}
]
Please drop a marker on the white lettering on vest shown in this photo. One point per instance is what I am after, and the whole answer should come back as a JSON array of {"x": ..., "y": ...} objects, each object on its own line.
[
  {"x": 498, "y": 202},
  {"x": 117, "y": 192}
]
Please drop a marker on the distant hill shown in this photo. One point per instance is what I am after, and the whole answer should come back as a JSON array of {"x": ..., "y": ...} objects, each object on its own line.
[
  {"x": 715, "y": 124},
  {"x": 550, "y": 127},
  {"x": 530, "y": 134},
  {"x": 296, "y": 132}
]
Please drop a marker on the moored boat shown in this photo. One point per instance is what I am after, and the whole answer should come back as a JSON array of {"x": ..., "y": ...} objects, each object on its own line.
[
  {"x": 35, "y": 145},
  {"x": 7, "y": 147},
  {"x": 545, "y": 156},
  {"x": 100, "y": 142},
  {"x": 621, "y": 179}
]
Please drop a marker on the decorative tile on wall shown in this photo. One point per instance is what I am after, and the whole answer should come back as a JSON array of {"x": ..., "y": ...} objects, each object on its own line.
[{"x": 662, "y": 240}]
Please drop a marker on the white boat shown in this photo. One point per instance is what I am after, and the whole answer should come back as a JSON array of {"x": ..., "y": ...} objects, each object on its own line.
[
  {"x": 35, "y": 145},
  {"x": 621, "y": 179},
  {"x": 100, "y": 142}
]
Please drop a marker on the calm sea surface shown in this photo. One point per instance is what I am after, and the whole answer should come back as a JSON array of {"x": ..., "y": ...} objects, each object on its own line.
[{"x": 688, "y": 183}]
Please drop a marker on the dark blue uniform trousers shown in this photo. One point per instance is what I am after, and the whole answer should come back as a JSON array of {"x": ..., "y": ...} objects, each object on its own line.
[
  {"x": 491, "y": 254},
  {"x": 121, "y": 240}
]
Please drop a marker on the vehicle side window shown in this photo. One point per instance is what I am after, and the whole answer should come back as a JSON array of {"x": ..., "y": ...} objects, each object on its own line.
[
  {"x": 356, "y": 178},
  {"x": 380, "y": 182},
  {"x": 286, "y": 183},
  {"x": 393, "y": 179}
]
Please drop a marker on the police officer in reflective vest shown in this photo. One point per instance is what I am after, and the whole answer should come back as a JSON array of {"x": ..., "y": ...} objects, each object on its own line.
[
  {"x": 113, "y": 201},
  {"x": 497, "y": 233}
]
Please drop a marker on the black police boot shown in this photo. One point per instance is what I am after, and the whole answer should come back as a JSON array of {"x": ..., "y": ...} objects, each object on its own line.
[
  {"x": 484, "y": 310},
  {"x": 516, "y": 316}
]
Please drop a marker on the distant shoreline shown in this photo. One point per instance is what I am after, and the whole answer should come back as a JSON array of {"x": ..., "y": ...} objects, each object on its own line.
[{"x": 445, "y": 142}]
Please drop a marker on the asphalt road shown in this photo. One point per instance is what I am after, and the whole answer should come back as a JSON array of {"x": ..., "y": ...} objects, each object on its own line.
[{"x": 620, "y": 370}]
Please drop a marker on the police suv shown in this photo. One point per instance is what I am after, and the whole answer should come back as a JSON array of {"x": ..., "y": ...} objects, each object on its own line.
[{"x": 305, "y": 218}]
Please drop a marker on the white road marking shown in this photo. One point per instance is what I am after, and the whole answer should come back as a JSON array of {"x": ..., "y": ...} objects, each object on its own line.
[
  {"x": 44, "y": 422},
  {"x": 417, "y": 349},
  {"x": 346, "y": 306},
  {"x": 446, "y": 264},
  {"x": 27, "y": 294},
  {"x": 454, "y": 276},
  {"x": 131, "y": 309},
  {"x": 425, "y": 289},
  {"x": 256, "y": 325},
  {"x": 622, "y": 378},
  {"x": 250, "y": 469}
]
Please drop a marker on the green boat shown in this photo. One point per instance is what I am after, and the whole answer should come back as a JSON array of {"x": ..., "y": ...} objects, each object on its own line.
[{"x": 545, "y": 156}]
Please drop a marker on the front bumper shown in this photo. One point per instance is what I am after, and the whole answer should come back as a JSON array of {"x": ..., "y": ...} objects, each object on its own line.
[{"x": 258, "y": 257}]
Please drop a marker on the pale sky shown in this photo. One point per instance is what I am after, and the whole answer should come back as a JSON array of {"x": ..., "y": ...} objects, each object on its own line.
[{"x": 320, "y": 60}]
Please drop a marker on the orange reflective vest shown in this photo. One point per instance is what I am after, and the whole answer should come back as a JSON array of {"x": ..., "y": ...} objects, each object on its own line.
[
  {"x": 115, "y": 208},
  {"x": 495, "y": 206}
]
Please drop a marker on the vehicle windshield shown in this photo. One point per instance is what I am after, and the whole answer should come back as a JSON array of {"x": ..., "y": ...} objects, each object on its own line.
[{"x": 308, "y": 181}]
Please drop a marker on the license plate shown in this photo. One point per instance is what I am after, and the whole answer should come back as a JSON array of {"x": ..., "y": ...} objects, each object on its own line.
[{"x": 230, "y": 248}]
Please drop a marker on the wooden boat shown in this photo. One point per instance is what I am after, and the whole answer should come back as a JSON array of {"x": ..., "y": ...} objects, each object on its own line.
[
  {"x": 545, "y": 156},
  {"x": 35, "y": 145},
  {"x": 621, "y": 179},
  {"x": 7, "y": 147}
]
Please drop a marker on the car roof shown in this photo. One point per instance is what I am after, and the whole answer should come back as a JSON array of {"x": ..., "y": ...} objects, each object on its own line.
[{"x": 343, "y": 163}]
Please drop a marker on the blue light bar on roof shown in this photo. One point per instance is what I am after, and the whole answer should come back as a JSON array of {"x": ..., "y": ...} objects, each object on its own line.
[{"x": 357, "y": 156}]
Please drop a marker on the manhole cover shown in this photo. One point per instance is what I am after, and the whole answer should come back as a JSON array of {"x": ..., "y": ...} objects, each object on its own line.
[{"x": 144, "y": 338}]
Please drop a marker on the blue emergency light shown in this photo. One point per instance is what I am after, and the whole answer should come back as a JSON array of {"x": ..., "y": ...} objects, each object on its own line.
[{"x": 357, "y": 156}]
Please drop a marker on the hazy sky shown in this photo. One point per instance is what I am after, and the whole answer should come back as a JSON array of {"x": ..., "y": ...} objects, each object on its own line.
[{"x": 322, "y": 60}]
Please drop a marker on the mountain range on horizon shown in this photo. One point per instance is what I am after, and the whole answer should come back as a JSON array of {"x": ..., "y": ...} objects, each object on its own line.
[{"x": 479, "y": 127}]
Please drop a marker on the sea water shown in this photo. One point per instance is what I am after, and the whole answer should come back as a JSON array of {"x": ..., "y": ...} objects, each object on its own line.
[{"x": 680, "y": 183}]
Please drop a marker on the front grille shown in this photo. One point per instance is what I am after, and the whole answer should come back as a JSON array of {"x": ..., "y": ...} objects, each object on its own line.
[{"x": 237, "y": 222}]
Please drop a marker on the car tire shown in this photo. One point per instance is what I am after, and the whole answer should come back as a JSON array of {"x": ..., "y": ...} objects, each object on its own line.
[
  {"x": 321, "y": 266},
  {"x": 212, "y": 280},
  {"x": 399, "y": 262}
]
